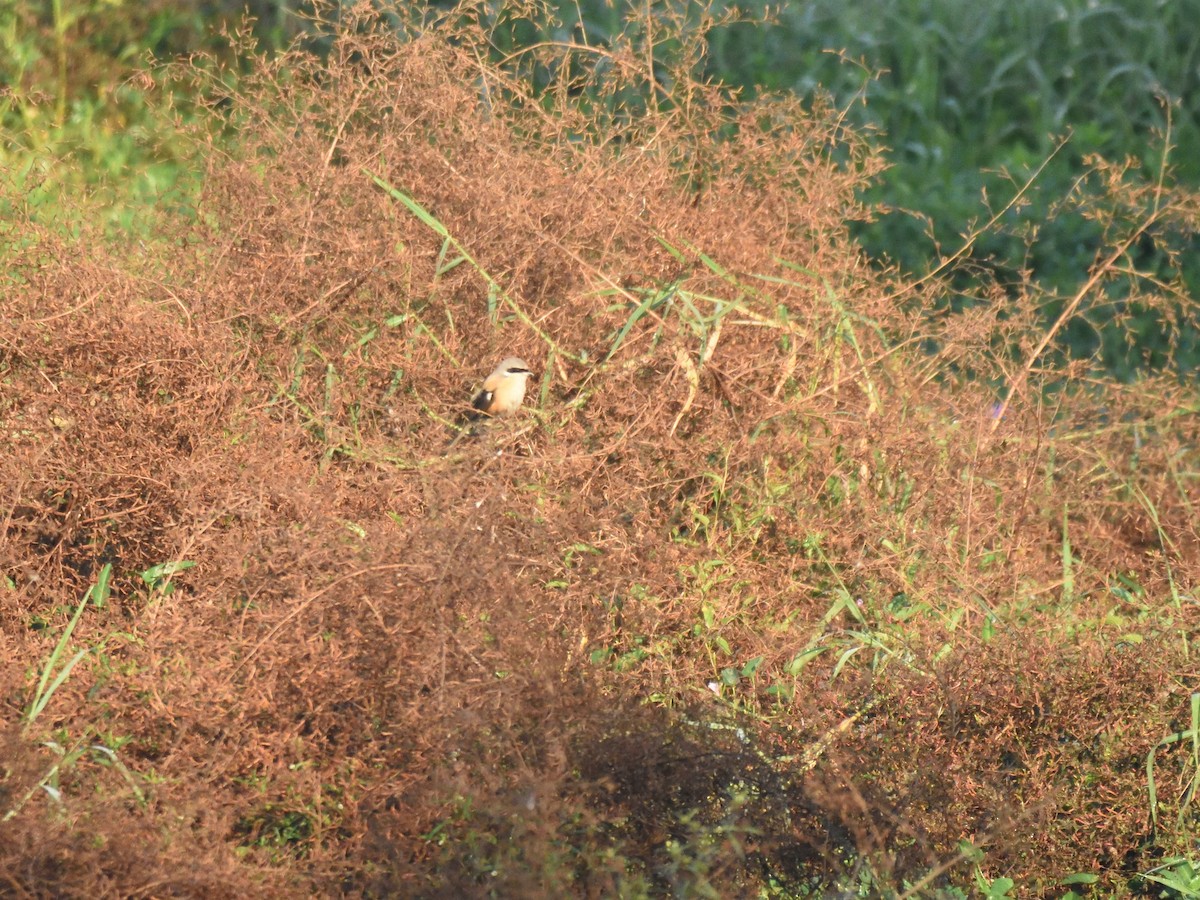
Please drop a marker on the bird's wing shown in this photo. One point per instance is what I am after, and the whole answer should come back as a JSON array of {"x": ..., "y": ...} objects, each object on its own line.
[{"x": 482, "y": 400}]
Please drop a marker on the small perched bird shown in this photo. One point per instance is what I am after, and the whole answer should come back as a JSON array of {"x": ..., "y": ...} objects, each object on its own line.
[{"x": 503, "y": 390}]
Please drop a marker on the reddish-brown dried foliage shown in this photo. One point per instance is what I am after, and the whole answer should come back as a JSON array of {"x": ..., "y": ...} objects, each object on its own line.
[{"x": 386, "y": 672}]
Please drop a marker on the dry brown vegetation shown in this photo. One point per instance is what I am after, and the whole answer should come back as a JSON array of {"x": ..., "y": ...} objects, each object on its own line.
[{"x": 757, "y": 591}]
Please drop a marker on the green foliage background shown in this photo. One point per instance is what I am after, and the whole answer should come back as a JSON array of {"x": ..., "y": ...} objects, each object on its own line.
[{"x": 972, "y": 98}]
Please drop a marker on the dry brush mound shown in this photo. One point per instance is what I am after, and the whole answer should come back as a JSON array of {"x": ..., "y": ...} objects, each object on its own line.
[{"x": 757, "y": 590}]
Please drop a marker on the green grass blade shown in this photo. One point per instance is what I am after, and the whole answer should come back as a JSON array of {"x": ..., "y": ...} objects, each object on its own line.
[
  {"x": 1068, "y": 588},
  {"x": 673, "y": 250},
  {"x": 641, "y": 310},
  {"x": 45, "y": 689},
  {"x": 412, "y": 205},
  {"x": 43, "y": 697}
]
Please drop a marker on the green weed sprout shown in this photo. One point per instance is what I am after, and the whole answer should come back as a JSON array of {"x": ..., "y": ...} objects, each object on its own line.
[{"x": 97, "y": 593}]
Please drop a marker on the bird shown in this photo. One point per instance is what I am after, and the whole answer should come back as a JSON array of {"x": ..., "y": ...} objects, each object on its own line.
[{"x": 503, "y": 390}]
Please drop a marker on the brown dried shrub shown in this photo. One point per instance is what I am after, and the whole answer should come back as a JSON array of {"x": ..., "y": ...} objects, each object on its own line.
[{"x": 407, "y": 666}]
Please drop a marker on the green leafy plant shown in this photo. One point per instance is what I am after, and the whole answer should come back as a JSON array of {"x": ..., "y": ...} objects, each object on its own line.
[
  {"x": 1190, "y": 737},
  {"x": 1178, "y": 878},
  {"x": 159, "y": 578},
  {"x": 51, "y": 680}
]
